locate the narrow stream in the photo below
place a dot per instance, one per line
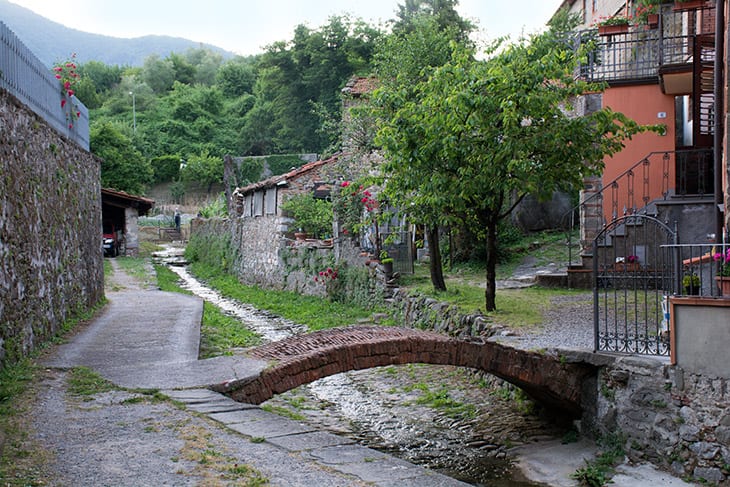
(382, 408)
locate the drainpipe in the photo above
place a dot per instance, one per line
(719, 115)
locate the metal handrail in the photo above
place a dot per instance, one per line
(635, 202)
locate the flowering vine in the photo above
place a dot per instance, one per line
(66, 74)
(325, 276)
(354, 205)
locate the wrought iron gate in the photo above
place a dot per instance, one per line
(633, 279)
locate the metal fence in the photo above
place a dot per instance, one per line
(25, 77)
(701, 269)
(399, 247)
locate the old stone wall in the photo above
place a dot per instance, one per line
(256, 251)
(670, 417)
(50, 230)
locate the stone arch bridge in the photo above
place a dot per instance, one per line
(553, 381)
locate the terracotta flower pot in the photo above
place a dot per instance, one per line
(609, 30)
(723, 282)
(689, 5)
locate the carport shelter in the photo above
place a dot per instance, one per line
(119, 213)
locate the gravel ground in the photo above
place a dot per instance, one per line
(568, 324)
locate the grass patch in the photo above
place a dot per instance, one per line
(20, 458)
(442, 401)
(215, 467)
(598, 472)
(82, 381)
(312, 311)
(168, 280)
(284, 411)
(136, 267)
(515, 307)
(221, 332)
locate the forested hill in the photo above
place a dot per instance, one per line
(51, 41)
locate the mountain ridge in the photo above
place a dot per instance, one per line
(52, 42)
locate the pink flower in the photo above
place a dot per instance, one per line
(58, 76)
(70, 92)
(345, 184)
(63, 103)
(67, 85)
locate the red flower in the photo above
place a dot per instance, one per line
(58, 76)
(63, 103)
(70, 92)
(345, 184)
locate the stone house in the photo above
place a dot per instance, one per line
(119, 212)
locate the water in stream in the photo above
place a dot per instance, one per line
(465, 430)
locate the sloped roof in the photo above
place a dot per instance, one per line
(125, 200)
(360, 85)
(282, 178)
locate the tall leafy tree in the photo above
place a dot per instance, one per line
(403, 63)
(483, 134)
(123, 167)
(203, 168)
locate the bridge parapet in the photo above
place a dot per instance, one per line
(298, 360)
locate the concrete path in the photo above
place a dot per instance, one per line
(148, 339)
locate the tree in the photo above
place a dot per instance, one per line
(442, 11)
(405, 61)
(484, 134)
(123, 168)
(204, 169)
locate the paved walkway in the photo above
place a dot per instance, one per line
(148, 339)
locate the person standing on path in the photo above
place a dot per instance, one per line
(177, 219)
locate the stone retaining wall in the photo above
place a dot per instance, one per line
(51, 263)
(671, 418)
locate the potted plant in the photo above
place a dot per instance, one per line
(723, 273)
(691, 284)
(311, 216)
(629, 263)
(647, 13)
(387, 262)
(617, 24)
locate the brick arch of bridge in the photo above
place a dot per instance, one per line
(305, 358)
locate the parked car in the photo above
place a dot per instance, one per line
(110, 240)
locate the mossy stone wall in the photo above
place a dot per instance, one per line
(51, 264)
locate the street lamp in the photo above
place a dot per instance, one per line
(134, 113)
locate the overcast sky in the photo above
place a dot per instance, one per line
(246, 26)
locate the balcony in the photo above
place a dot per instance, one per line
(668, 54)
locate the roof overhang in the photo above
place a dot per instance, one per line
(676, 79)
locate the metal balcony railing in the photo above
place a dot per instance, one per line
(639, 54)
(699, 269)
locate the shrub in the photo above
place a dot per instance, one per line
(312, 215)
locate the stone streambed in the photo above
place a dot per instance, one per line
(453, 420)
